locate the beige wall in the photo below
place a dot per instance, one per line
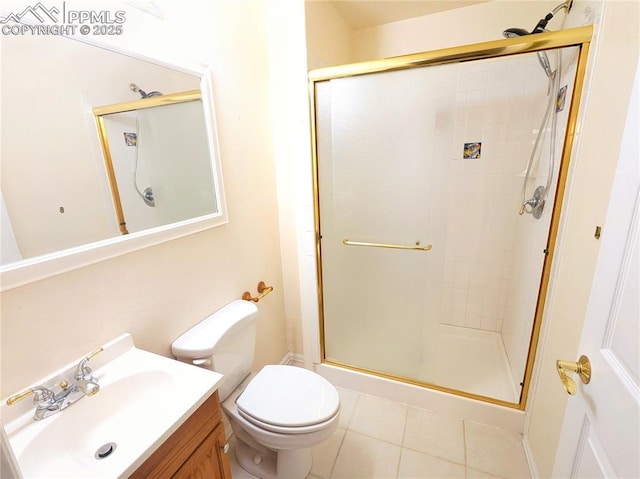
(328, 36)
(291, 138)
(610, 74)
(473, 24)
(159, 292)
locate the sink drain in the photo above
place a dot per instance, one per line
(105, 450)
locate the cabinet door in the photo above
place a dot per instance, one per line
(208, 461)
(222, 451)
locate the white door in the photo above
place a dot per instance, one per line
(601, 430)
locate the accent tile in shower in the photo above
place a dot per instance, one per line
(482, 197)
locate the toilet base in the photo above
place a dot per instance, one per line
(285, 464)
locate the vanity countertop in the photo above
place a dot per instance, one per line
(143, 399)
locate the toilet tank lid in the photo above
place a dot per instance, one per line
(201, 339)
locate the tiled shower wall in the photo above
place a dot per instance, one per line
(498, 103)
(529, 243)
(494, 257)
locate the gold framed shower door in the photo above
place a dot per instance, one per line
(575, 37)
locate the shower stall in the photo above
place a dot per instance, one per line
(433, 260)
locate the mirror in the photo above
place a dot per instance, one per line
(67, 160)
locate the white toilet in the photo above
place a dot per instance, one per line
(276, 414)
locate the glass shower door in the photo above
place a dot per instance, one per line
(441, 155)
(375, 182)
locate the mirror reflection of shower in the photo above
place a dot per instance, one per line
(156, 132)
(534, 204)
(147, 193)
(143, 94)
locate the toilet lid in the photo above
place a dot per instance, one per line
(289, 396)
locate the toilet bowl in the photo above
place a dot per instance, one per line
(277, 414)
(276, 426)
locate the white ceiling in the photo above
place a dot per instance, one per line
(368, 13)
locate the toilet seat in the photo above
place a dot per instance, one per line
(288, 400)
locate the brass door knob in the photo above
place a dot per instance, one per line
(582, 368)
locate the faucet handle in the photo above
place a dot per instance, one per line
(83, 371)
(40, 395)
(95, 352)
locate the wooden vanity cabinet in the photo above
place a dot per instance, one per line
(195, 451)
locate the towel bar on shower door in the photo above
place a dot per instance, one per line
(417, 246)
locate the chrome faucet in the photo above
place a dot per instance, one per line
(49, 403)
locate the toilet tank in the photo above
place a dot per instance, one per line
(223, 342)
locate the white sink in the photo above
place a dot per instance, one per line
(143, 399)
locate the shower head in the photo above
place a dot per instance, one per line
(542, 56)
(514, 32)
(135, 88)
(540, 28)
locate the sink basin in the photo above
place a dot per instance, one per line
(143, 399)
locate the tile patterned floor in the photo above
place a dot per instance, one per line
(382, 439)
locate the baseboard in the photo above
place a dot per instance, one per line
(533, 470)
(292, 359)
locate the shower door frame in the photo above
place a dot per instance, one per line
(575, 37)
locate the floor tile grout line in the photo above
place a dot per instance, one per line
(375, 438)
(434, 456)
(406, 405)
(404, 432)
(399, 462)
(464, 446)
(353, 412)
(344, 436)
(335, 458)
(406, 420)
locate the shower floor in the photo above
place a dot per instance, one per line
(474, 361)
